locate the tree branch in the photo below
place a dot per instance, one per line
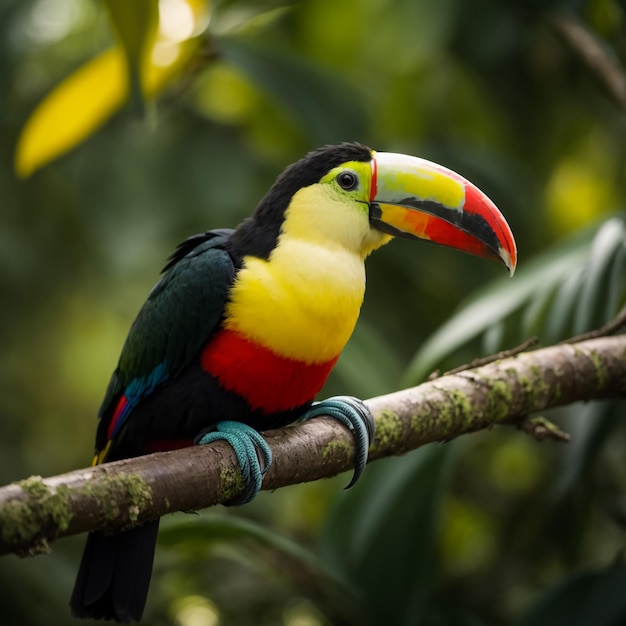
(118, 495)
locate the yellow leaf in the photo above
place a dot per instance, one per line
(72, 111)
(76, 107)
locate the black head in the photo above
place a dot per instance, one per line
(257, 236)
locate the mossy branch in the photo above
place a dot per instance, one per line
(118, 495)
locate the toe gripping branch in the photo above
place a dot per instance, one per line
(354, 415)
(253, 454)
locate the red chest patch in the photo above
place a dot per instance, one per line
(269, 382)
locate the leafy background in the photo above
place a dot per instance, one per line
(104, 171)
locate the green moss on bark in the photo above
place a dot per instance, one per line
(600, 367)
(231, 483)
(45, 512)
(42, 515)
(389, 429)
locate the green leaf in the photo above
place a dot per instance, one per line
(136, 24)
(305, 569)
(607, 244)
(569, 280)
(493, 337)
(495, 302)
(533, 319)
(592, 425)
(389, 525)
(559, 321)
(582, 599)
(616, 285)
(213, 528)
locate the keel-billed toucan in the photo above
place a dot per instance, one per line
(245, 325)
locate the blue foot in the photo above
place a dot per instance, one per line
(253, 454)
(353, 414)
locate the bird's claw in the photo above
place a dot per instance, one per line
(354, 414)
(253, 454)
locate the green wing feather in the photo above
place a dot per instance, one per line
(182, 311)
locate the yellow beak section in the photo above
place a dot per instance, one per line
(415, 198)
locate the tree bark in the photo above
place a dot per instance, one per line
(122, 494)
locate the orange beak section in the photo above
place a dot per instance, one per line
(417, 199)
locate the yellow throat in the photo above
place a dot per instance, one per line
(304, 301)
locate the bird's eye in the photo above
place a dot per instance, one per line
(347, 180)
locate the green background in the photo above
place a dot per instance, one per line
(491, 529)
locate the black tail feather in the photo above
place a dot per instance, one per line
(114, 575)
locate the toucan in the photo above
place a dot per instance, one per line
(245, 325)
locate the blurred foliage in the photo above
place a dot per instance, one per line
(489, 529)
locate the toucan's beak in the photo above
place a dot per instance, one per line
(414, 198)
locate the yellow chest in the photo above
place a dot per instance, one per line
(302, 304)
